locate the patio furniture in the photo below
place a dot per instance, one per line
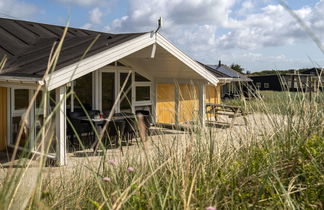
(130, 124)
(116, 130)
(116, 126)
(130, 128)
(80, 127)
(227, 110)
(94, 113)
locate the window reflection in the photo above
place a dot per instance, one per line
(83, 90)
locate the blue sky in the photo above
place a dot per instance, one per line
(257, 34)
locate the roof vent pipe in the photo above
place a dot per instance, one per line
(159, 25)
(219, 63)
(154, 45)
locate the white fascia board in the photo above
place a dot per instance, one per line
(23, 82)
(185, 59)
(19, 79)
(97, 61)
(226, 80)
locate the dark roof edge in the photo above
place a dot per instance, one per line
(92, 31)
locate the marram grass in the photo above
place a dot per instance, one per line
(252, 167)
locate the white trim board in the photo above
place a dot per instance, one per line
(92, 63)
(97, 61)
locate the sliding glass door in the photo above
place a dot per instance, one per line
(126, 95)
(83, 92)
(107, 90)
(136, 93)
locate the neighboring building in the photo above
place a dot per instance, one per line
(267, 82)
(311, 79)
(214, 93)
(235, 81)
(164, 80)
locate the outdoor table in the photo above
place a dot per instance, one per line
(229, 110)
(100, 122)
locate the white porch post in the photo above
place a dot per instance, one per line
(32, 122)
(202, 104)
(96, 90)
(154, 100)
(72, 96)
(177, 104)
(61, 126)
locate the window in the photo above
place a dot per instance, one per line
(83, 90)
(126, 97)
(21, 99)
(142, 90)
(108, 90)
(266, 85)
(258, 85)
(140, 78)
(116, 64)
(143, 93)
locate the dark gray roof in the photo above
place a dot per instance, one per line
(27, 46)
(230, 72)
(217, 73)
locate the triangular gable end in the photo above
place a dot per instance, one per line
(95, 62)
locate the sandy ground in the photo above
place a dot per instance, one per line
(258, 125)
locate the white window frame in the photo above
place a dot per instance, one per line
(258, 85)
(19, 112)
(119, 86)
(97, 86)
(143, 84)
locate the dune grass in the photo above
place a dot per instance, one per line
(279, 167)
(275, 162)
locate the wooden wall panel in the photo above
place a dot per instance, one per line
(189, 103)
(213, 94)
(3, 118)
(165, 104)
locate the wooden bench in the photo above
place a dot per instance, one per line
(227, 110)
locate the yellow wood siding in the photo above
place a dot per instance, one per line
(3, 118)
(189, 103)
(213, 94)
(165, 104)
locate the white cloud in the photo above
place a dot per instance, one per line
(84, 2)
(116, 24)
(209, 30)
(143, 14)
(95, 16)
(273, 26)
(87, 26)
(17, 9)
(246, 7)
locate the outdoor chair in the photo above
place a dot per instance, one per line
(130, 128)
(115, 131)
(79, 126)
(106, 113)
(93, 113)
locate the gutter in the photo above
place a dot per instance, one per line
(225, 80)
(20, 80)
